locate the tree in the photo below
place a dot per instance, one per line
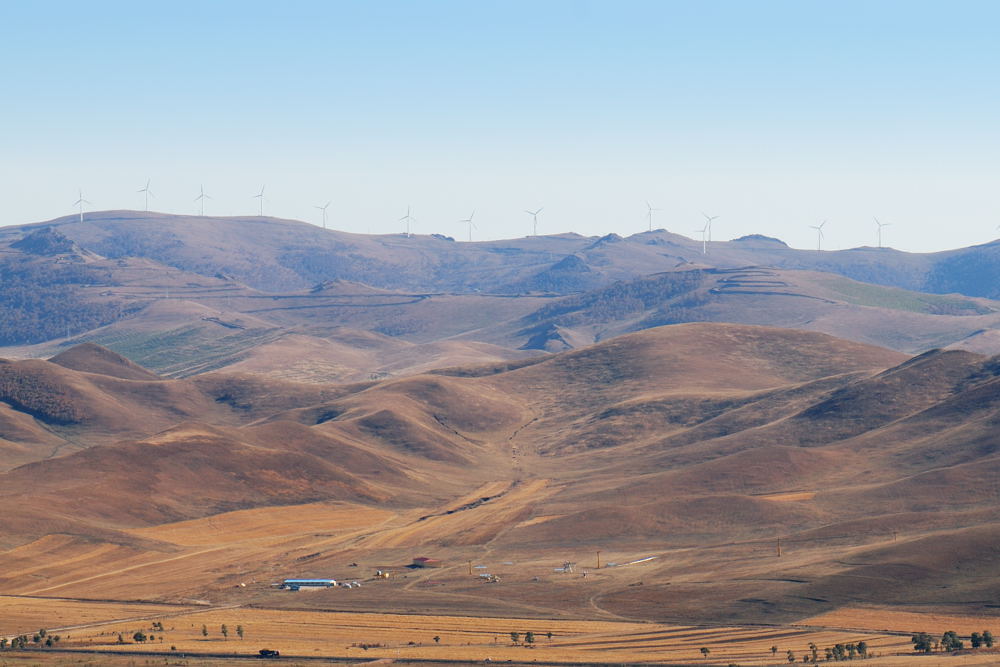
(549, 635)
(774, 650)
(3, 643)
(922, 642)
(515, 636)
(204, 631)
(437, 640)
(950, 641)
(139, 637)
(529, 637)
(121, 640)
(814, 650)
(791, 657)
(976, 640)
(239, 631)
(225, 631)
(988, 638)
(863, 649)
(704, 652)
(852, 650)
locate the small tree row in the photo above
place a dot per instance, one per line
(950, 641)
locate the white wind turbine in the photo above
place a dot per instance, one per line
(649, 214)
(407, 219)
(147, 192)
(323, 208)
(534, 220)
(708, 223)
(201, 200)
(80, 202)
(472, 225)
(879, 233)
(819, 234)
(260, 198)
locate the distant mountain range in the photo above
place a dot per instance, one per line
(184, 295)
(272, 254)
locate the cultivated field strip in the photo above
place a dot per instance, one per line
(374, 636)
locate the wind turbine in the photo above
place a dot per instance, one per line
(201, 199)
(819, 234)
(80, 202)
(472, 225)
(147, 192)
(649, 214)
(708, 223)
(323, 208)
(880, 226)
(260, 198)
(407, 219)
(534, 220)
(704, 247)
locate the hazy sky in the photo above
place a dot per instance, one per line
(772, 115)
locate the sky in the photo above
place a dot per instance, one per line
(773, 115)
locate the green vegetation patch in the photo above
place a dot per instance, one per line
(894, 298)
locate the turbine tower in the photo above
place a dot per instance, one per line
(702, 231)
(323, 208)
(472, 225)
(819, 235)
(534, 220)
(260, 198)
(407, 219)
(80, 202)
(708, 224)
(649, 214)
(201, 200)
(147, 192)
(879, 233)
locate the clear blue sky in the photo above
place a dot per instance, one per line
(772, 115)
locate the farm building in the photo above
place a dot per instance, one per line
(421, 561)
(296, 584)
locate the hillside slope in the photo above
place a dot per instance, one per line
(700, 444)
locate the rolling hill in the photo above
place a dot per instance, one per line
(285, 255)
(181, 320)
(696, 445)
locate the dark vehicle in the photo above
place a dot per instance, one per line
(268, 653)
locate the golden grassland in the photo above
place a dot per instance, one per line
(371, 636)
(887, 620)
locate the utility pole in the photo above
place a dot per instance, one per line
(779, 546)
(470, 568)
(598, 559)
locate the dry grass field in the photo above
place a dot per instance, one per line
(399, 638)
(464, 638)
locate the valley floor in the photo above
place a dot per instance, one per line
(192, 636)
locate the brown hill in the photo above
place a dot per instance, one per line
(91, 358)
(682, 453)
